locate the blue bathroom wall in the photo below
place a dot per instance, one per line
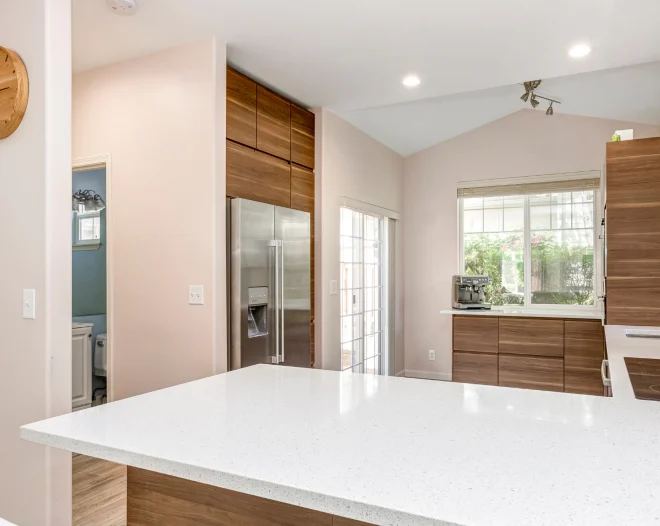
(89, 266)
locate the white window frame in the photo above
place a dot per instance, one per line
(79, 217)
(527, 258)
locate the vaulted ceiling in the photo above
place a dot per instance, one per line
(350, 55)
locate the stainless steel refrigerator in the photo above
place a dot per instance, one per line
(269, 284)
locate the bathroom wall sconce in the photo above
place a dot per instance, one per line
(87, 201)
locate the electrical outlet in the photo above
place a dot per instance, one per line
(334, 287)
(196, 295)
(432, 355)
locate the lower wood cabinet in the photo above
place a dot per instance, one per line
(475, 368)
(531, 372)
(549, 354)
(584, 351)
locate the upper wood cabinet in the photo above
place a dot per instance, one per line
(273, 124)
(302, 136)
(532, 336)
(302, 189)
(241, 109)
(257, 176)
(476, 333)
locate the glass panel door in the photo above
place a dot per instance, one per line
(361, 290)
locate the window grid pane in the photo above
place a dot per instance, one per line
(561, 244)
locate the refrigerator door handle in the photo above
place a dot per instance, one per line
(276, 359)
(282, 300)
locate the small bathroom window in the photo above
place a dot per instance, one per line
(88, 228)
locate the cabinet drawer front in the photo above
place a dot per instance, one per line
(273, 124)
(475, 333)
(241, 109)
(532, 336)
(587, 381)
(584, 350)
(531, 372)
(584, 330)
(474, 368)
(257, 176)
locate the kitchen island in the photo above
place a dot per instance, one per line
(329, 447)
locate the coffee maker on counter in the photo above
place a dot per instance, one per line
(469, 292)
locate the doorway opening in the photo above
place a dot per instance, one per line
(364, 288)
(91, 317)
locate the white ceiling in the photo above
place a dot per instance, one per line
(629, 94)
(350, 55)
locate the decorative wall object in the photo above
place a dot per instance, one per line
(14, 89)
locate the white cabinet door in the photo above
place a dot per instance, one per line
(81, 368)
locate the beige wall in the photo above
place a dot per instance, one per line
(525, 143)
(350, 164)
(35, 197)
(158, 118)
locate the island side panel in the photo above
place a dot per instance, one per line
(98, 492)
(157, 499)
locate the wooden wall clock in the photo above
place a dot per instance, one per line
(13, 91)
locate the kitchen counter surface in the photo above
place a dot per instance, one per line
(619, 347)
(386, 450)
(530, 313)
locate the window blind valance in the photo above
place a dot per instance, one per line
(552, 184)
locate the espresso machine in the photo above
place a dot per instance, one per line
(469, 292)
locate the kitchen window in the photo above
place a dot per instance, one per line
(536, 240)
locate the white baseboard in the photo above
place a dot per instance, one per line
(427, 375)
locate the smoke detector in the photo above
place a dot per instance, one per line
(122, 7)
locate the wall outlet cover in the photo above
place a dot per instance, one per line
(432, 355)
(334, 287)
(196, 295)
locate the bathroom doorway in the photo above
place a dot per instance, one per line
(91, 333)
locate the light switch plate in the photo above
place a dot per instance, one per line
(196, 294)
(334, 288)
(29, 307)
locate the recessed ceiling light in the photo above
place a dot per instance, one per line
(411, 81)
(579, 51)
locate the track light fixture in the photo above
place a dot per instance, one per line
(534, 102)
(531, 96)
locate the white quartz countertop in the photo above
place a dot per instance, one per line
(386, 450)
(529, 313)
(619, 346)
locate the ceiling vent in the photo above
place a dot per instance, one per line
(122, 7)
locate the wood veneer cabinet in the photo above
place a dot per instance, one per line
(273, 124)
(302, 136)
(550, 354)
(532, 336)
(584, 351)
(241, 109)
(531, 372)
(633, 232)
(254, 175)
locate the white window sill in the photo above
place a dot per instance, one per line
(88, 246)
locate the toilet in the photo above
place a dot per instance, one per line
(101, 355)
